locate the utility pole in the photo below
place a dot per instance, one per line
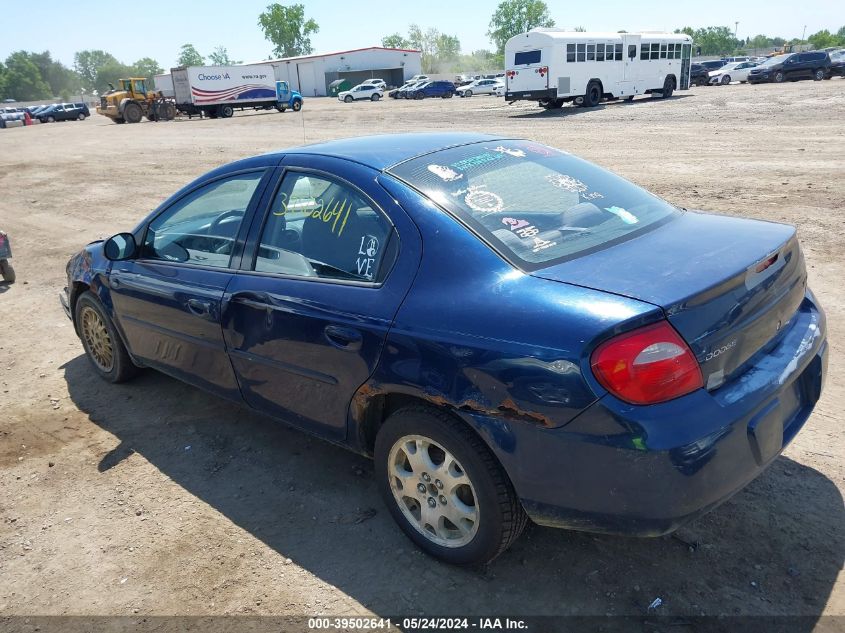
(736, 26)
(804, 32)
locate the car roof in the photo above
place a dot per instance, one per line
(383, 151)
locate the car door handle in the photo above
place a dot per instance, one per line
(251, 298)
(343, 337)
(200, 307)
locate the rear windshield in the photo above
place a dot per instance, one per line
(526, 57)
(535, 205)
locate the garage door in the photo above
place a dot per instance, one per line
(307, 79)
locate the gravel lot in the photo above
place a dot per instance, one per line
(155, 498)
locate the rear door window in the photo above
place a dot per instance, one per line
(322, 227)
(533, 204)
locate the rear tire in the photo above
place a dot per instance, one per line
(7, 272)
(226, 111)
(102, 344)
(669, 87)
(81, 117)
(132, 113)
(779, 77)
(466, 484)
(375, 97)
(593, 95)
(818, 74)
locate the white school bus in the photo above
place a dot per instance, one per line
(552, 66)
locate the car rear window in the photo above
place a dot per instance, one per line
(533, 204)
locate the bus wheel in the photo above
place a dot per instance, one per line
(668, 87)
(593, 95)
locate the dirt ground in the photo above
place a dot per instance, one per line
(153, 497)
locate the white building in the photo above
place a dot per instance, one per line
(312, 74)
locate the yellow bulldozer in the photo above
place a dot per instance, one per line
(133, 101)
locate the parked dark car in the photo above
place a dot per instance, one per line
(712, 64)
(791, 67)
(402, 91)
(699, 75)
(837, 64)
(61, 112)
(442, 89)
(82, 107)
(492, 320)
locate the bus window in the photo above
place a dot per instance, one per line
(644, 50)
(677, 51)
(582, 52)
(570, 52)
(591, 52)
(619, 52)
(655, 50)
(663, 51)
(632, 51)
(599, 52)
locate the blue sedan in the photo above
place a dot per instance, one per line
(510, 332)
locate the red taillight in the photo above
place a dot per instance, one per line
(649, 365)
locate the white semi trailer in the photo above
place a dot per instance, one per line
(220, 90)
(552, 66)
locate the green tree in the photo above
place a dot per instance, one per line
(513, 17)
(88, 63)
(109, 73)
(146, 67)
(713, 40)
(288, 30)
(436, 49)
(841, 35)
(395, 40)
(220, 57)
(823, 39)
(760, 41)
(3, 94)
(62, 80)
(22, 79)
(189, 56)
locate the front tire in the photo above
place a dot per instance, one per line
(445, 488)
(101, 342)
(347, 99)
(818, 74)
(297, 105)
(669, 87)
(779, 77)
(726, 80)
(132, 113)
(81, 117)
(467, 93)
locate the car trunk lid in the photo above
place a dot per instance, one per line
(728, 285)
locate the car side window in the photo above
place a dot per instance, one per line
(201, 227)
(321, 227)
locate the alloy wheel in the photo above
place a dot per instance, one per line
(433, 491)
(97, 339)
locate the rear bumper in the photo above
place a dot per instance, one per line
(531, 95)
(647, 470)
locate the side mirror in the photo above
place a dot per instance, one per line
(120, 247)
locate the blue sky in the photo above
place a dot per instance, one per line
(157, 29)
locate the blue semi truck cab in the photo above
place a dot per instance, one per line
(287, 98)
